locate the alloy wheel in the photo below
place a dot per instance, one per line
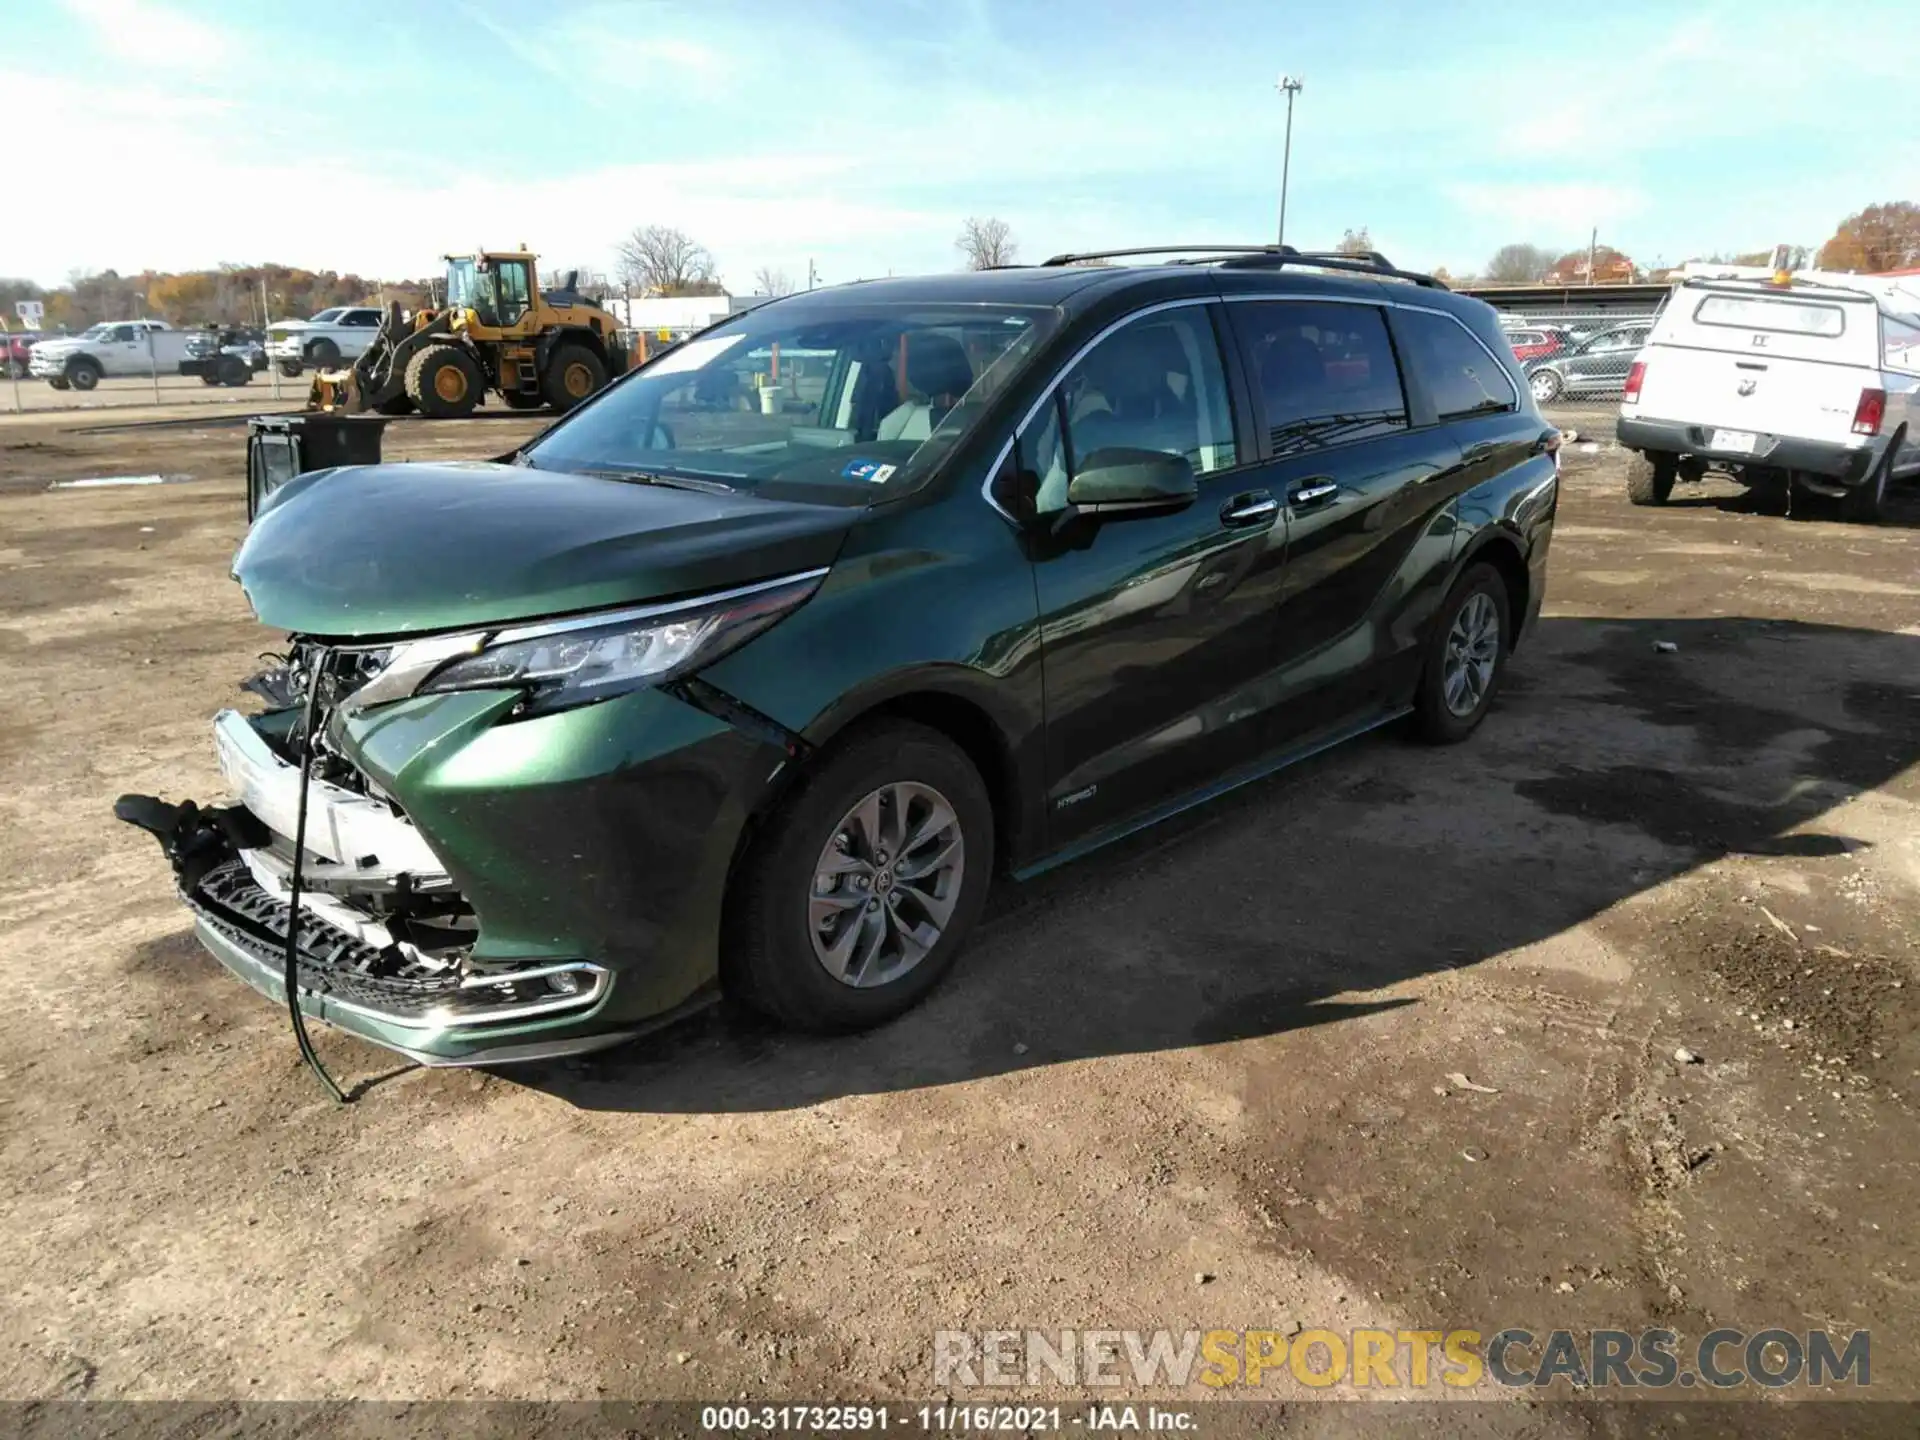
(1544, 384)
(886, 883)
(1473, 650)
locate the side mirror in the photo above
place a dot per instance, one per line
(1120, 481)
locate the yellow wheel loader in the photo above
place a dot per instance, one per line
(497, 332)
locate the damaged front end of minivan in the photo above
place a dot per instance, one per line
(386, 942)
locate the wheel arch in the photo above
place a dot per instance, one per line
(943, 702)
(1501, 547)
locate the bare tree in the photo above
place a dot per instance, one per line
(661, 260)
(769, 281)
(1355, 242)
(1519, 264)
(986, 243)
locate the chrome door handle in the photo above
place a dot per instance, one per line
(1253, 508)
(1314, 490)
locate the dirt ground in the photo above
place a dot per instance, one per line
(1199, 1080)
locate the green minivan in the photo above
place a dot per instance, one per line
(752, 674)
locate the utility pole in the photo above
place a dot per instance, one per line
(1593, 249)
(1290, 86)
(812, 274)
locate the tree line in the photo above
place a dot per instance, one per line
(663, 260)
(1870, 241)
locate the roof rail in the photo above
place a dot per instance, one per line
(1364, 262)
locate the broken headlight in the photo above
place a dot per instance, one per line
(562, 663)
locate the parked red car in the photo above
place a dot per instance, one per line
(1541, 343)
(14, 346)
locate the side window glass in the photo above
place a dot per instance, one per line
(1326, 373)
(1902, 344)
(1155, 384)
(124, 333)
(1462, 377)
(1042, 453)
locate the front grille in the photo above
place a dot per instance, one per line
(337, 965)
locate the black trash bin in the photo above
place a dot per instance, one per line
(280, 447)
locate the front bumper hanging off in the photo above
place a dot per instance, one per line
(231, 866)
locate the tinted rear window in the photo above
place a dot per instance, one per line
(1326, 372)
(1760, 312)
(1461, 373)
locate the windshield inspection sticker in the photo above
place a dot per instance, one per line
(871, 471)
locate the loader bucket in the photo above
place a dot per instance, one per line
(335, 390)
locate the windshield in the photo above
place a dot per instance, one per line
(838, 396)
(327, 317)
(97, 332)
(459, 284)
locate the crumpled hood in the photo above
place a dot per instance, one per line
(378, 550)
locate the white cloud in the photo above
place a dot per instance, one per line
(156, 37)
(1562, 209)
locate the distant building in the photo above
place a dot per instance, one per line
(1610, 269)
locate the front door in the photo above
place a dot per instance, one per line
(1155, 628)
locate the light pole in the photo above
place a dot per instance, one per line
(1290, 86)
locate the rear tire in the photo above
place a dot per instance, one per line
(773, 956)
(517, 400)
(1863, 506)
(207, 378)
(291, 369)
(58, 382)
(398, 405)
(1546, 386)
(443, 382)
(1466, 657)
(574, 373)
(1650, 478)
(234, 371)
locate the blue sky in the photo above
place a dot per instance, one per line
(368, 136)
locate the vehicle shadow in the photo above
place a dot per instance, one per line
(1606, 768)
(1900, 510)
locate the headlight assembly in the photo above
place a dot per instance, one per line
(562, 663)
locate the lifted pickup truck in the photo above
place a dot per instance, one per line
(130, 347)
(341, 333)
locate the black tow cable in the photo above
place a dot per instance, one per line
(307, 1052)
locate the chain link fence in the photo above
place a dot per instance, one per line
(1576, 360)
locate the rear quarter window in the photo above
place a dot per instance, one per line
(1460, 373)
(1902, 344)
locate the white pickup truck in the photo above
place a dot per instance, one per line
(328, 338)
(128, 347)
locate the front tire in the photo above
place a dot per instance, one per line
(443, 382)
(58, 382)
(1546, 386)
(1466, 657)
(860, 891)
(323, 354)
(1650, 478)
(234, 371)
(83, 374)
(291, 369)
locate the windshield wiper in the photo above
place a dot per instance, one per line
(668, 482)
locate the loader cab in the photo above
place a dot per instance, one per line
(499, 292)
